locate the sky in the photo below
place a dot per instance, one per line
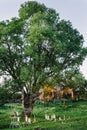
(72, 10)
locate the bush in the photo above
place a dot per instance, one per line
(4, 96)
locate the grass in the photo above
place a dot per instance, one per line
(75, 114)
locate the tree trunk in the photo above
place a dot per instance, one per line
(27, 103)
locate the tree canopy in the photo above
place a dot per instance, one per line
(39, 48)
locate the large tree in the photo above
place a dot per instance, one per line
(38, 48)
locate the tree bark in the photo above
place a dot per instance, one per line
(28, 100)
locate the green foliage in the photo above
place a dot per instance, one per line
(4, 96)
(73, 79)
(38, 48)
(29, 8)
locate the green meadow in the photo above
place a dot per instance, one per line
(72, 116)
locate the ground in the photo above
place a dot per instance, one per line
(72, 116)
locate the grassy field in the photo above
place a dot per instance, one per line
(72, 116)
